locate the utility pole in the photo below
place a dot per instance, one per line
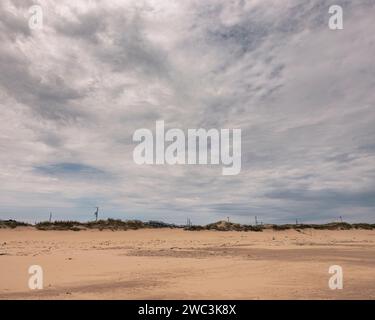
(296, 221)
(50, 217)
(96, 213)
(256, 220)
(228, 219)
(341, 219)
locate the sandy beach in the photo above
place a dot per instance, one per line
(178, 264)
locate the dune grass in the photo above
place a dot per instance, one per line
(118, 225)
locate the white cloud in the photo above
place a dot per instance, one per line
(75, 91)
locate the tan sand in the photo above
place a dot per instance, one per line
(177, 264)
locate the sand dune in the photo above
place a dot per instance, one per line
(178, 264)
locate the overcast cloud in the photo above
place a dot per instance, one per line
(72, 94)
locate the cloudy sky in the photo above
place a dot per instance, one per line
(73, 93)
